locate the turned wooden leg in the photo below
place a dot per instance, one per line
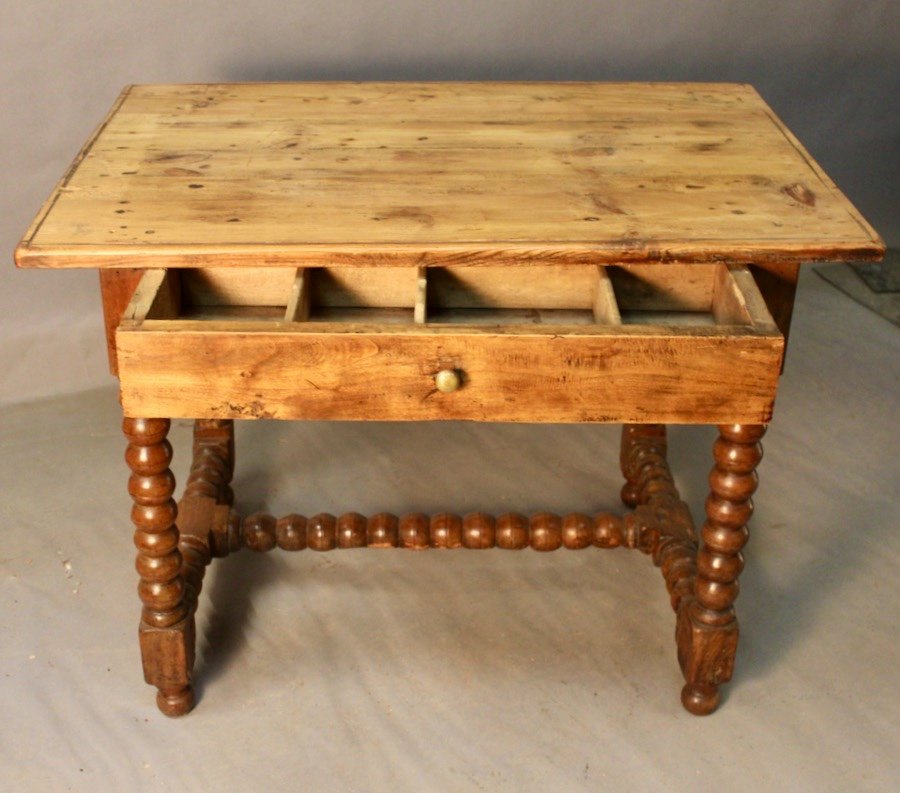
(213, 461)
(647, 438)
(167, 628)
(206, 501)
(707, 626)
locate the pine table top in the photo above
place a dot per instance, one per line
(442, 173)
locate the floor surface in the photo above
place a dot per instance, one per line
(447, 671)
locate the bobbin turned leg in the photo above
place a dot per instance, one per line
(650, 437)
(206, 501)
(213, 462)
(167, 627)
(707, 626)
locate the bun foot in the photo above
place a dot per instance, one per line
(176, 703)
(700, 700)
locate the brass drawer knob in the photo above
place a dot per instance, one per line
(447, 381)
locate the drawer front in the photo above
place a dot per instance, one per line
(462, 365)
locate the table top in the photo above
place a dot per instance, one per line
(442, 173)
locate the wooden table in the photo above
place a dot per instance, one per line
(538, 252)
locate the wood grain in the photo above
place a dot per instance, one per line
(694, 375)
(257, 368)
(439, 173)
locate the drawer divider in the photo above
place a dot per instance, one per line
(737, 300)
(606, 308)
(298, 304)
(420, 310)
(157, 296)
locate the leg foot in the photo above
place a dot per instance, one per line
(175, 703)
(699, 699)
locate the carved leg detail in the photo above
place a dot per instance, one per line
(166, 629)
(663, 520)
(213, 461)
(638, 440)
(207, 499)
(707, 626)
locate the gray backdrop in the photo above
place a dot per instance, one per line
(830, 68)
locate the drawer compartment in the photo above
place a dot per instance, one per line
(549, 343)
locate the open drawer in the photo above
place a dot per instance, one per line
(544, 343)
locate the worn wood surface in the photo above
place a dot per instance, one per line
(437, 173)
(539, 373)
